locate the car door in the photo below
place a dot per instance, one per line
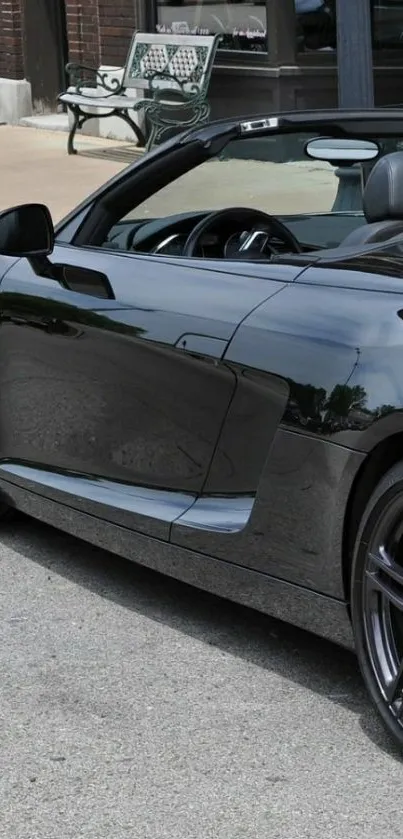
(294, 355)
(116, 405)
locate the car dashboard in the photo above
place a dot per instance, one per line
(168, 236)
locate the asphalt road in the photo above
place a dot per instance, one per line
(134, 706)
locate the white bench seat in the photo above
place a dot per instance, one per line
(98, 101)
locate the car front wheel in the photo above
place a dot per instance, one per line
(377, 599)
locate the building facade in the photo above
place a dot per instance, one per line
(274, 54)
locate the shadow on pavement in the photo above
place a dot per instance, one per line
(296, 655)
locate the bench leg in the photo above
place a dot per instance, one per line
(75, 110)
(141, 140)
(80, 118)
(153, 136)
(157, 131)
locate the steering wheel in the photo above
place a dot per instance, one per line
(255, 227)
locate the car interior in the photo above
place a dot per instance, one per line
(346, 191)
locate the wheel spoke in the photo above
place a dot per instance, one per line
(387, 565)
(395, 689)
(377, 596)
(382, 586)
(386, 576)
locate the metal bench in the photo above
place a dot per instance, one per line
(172, 72)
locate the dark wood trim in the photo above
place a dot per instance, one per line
(387, 58)
(234, 58)
(282, 31)
(317, 59)
(295, 71)
(149, 13)
(45, 46)
(381, 59)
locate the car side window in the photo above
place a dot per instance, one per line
(271, 174)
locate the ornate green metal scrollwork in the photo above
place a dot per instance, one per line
(172, 71)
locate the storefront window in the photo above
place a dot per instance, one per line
(242, 23)
(387, 23)
(316, 25)
(317, 29)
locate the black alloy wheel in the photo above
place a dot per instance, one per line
(377, 600)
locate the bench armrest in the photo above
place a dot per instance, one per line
(82, 76)
(187, 90)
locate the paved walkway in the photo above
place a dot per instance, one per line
(35, 166)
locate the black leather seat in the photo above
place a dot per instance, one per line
(382, 203)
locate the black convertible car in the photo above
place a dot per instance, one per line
(201, 370)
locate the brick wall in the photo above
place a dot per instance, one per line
(117, 23)
(100, 31)
(11, 41)
(83, 31)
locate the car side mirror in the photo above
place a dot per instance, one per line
(26, 231)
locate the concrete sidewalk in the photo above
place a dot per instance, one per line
(35, 166)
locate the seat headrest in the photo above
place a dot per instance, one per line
(383, 193)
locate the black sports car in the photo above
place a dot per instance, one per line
(206, 376)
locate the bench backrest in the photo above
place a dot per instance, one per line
(187, 58)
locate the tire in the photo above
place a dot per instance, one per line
(377, 599)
